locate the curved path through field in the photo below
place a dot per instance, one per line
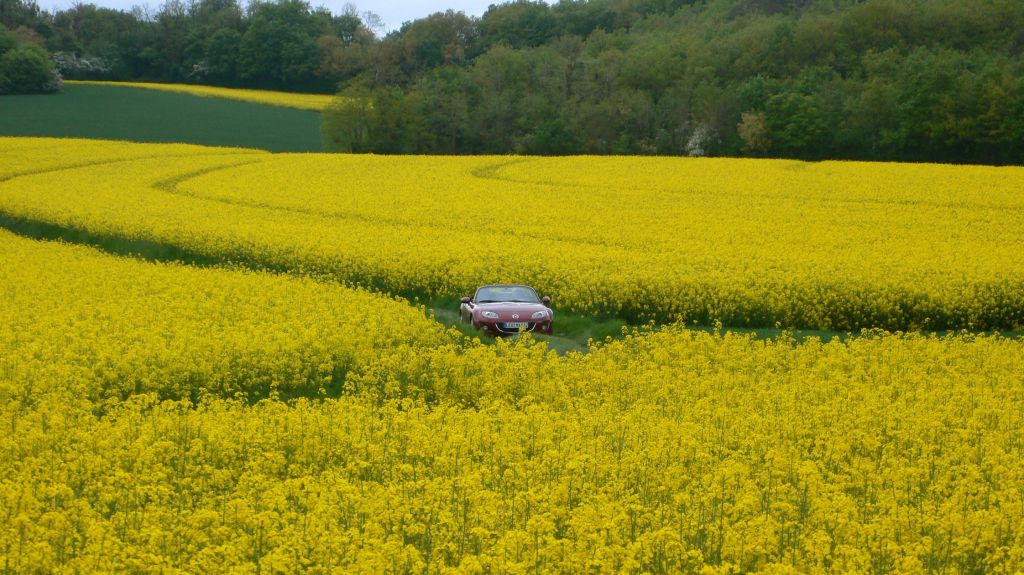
(758, 244)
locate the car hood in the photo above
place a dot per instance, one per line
(506, 310)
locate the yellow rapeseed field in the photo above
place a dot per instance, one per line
(133, 442)
(167, 418)
(832, 245)
(315, 102)
(105, 328)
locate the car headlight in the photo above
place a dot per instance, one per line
(539, 314)
(489, 314)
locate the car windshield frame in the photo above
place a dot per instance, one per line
(513, 294)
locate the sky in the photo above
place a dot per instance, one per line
(392, 13)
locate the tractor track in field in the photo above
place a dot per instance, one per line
(445, 311)
(164, 252)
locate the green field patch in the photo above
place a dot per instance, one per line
(135, 114)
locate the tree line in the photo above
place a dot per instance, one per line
(935, 80)
(275, 44)
(921, 80)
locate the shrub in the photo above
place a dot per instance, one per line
(27, 69)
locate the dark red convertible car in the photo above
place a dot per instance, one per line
(506, 309)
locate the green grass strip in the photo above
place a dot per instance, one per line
(140, 115)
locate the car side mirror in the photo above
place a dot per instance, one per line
(466, 300)
(545, 300)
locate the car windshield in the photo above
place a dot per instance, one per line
(519, 294)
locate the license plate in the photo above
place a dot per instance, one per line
(515, 324)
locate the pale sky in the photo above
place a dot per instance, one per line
(393, 13)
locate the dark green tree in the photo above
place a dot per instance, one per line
(448, 98)
(15, 13)
(279, 47)
(7, 42)
(797, 125)
(519, 24)
(346, 123)
(221, 51)
(27, 69)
